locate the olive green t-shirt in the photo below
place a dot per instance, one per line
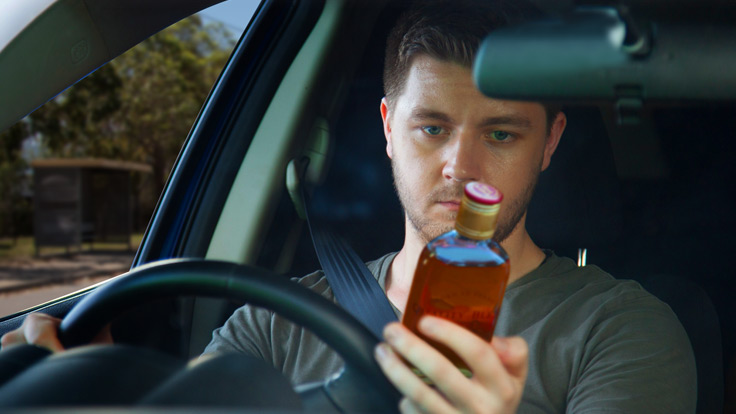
(597, 344)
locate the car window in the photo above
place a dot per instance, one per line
(80, 176)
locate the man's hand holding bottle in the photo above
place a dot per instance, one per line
(499, 369)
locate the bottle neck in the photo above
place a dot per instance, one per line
(475, 220)
(460, 236)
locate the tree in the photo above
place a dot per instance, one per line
(82, 121)
(14, 208)
(139, 107)
(165, 81)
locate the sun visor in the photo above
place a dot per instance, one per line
(49, 45)
(592, 54)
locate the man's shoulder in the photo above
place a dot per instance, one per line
(564, 271)
(318, 283)
(564, 281)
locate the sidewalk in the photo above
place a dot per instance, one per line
(22, 274)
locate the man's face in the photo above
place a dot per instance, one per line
(441, 133)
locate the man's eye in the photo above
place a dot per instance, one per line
(432, 130)
(500, 135)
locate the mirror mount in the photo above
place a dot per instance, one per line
(638, 38)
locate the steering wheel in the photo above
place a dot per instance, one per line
(360, 386)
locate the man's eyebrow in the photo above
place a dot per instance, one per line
(422, 114)
(512, 120)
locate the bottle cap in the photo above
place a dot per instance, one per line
(482, 193)
(478, 213)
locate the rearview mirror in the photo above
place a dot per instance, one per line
(584, 56)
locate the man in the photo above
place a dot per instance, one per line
(595, 343)
(590, 343)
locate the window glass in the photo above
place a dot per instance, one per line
(80, 176)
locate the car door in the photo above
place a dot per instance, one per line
(34, 54)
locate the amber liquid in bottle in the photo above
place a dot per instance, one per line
(461, 279)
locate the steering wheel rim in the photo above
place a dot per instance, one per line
(197, 277)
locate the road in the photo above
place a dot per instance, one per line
(28, 282)
(12, 302)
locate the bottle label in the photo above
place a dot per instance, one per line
(479, 318)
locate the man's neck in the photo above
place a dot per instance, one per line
(524, 256)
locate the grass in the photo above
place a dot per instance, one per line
(23, 247)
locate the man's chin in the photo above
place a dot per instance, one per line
(431, 232)
(432, 224)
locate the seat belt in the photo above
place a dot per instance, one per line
(354, 286)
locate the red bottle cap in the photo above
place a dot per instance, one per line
(482, 193)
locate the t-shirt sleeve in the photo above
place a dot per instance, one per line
(638, 359)
(261, 333)
(246, 331)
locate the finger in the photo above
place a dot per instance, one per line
(42, 330)
(406, 406)
(443, 374)
(422, 355)
(408, 383)
(482, 359)
(514, 355)
(14, 337)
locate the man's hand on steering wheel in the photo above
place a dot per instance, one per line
(43, 330)
(499, 369)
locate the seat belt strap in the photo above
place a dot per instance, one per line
(354, 286)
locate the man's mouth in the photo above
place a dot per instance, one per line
(450, 204)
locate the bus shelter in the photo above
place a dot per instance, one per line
(83, 201)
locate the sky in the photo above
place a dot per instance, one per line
(234, 14)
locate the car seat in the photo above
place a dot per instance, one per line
(577, 212)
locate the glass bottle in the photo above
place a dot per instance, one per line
(462, 274)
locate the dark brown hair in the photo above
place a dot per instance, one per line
(446, 30)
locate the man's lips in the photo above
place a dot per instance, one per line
(450, 204)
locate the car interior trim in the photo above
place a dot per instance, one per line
(253, 187)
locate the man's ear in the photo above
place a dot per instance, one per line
(385, 115)
(553, 139)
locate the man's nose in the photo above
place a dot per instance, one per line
(463, 160)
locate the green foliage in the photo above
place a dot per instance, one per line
(15, 210)
(81, 121)
(139, 107)
(165, 81)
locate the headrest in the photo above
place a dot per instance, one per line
(577, 201)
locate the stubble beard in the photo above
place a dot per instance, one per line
(428, 229)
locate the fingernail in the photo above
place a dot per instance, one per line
(381, 351)
(390, 332)
(427, 325)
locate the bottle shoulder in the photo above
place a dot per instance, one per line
(454, 249)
